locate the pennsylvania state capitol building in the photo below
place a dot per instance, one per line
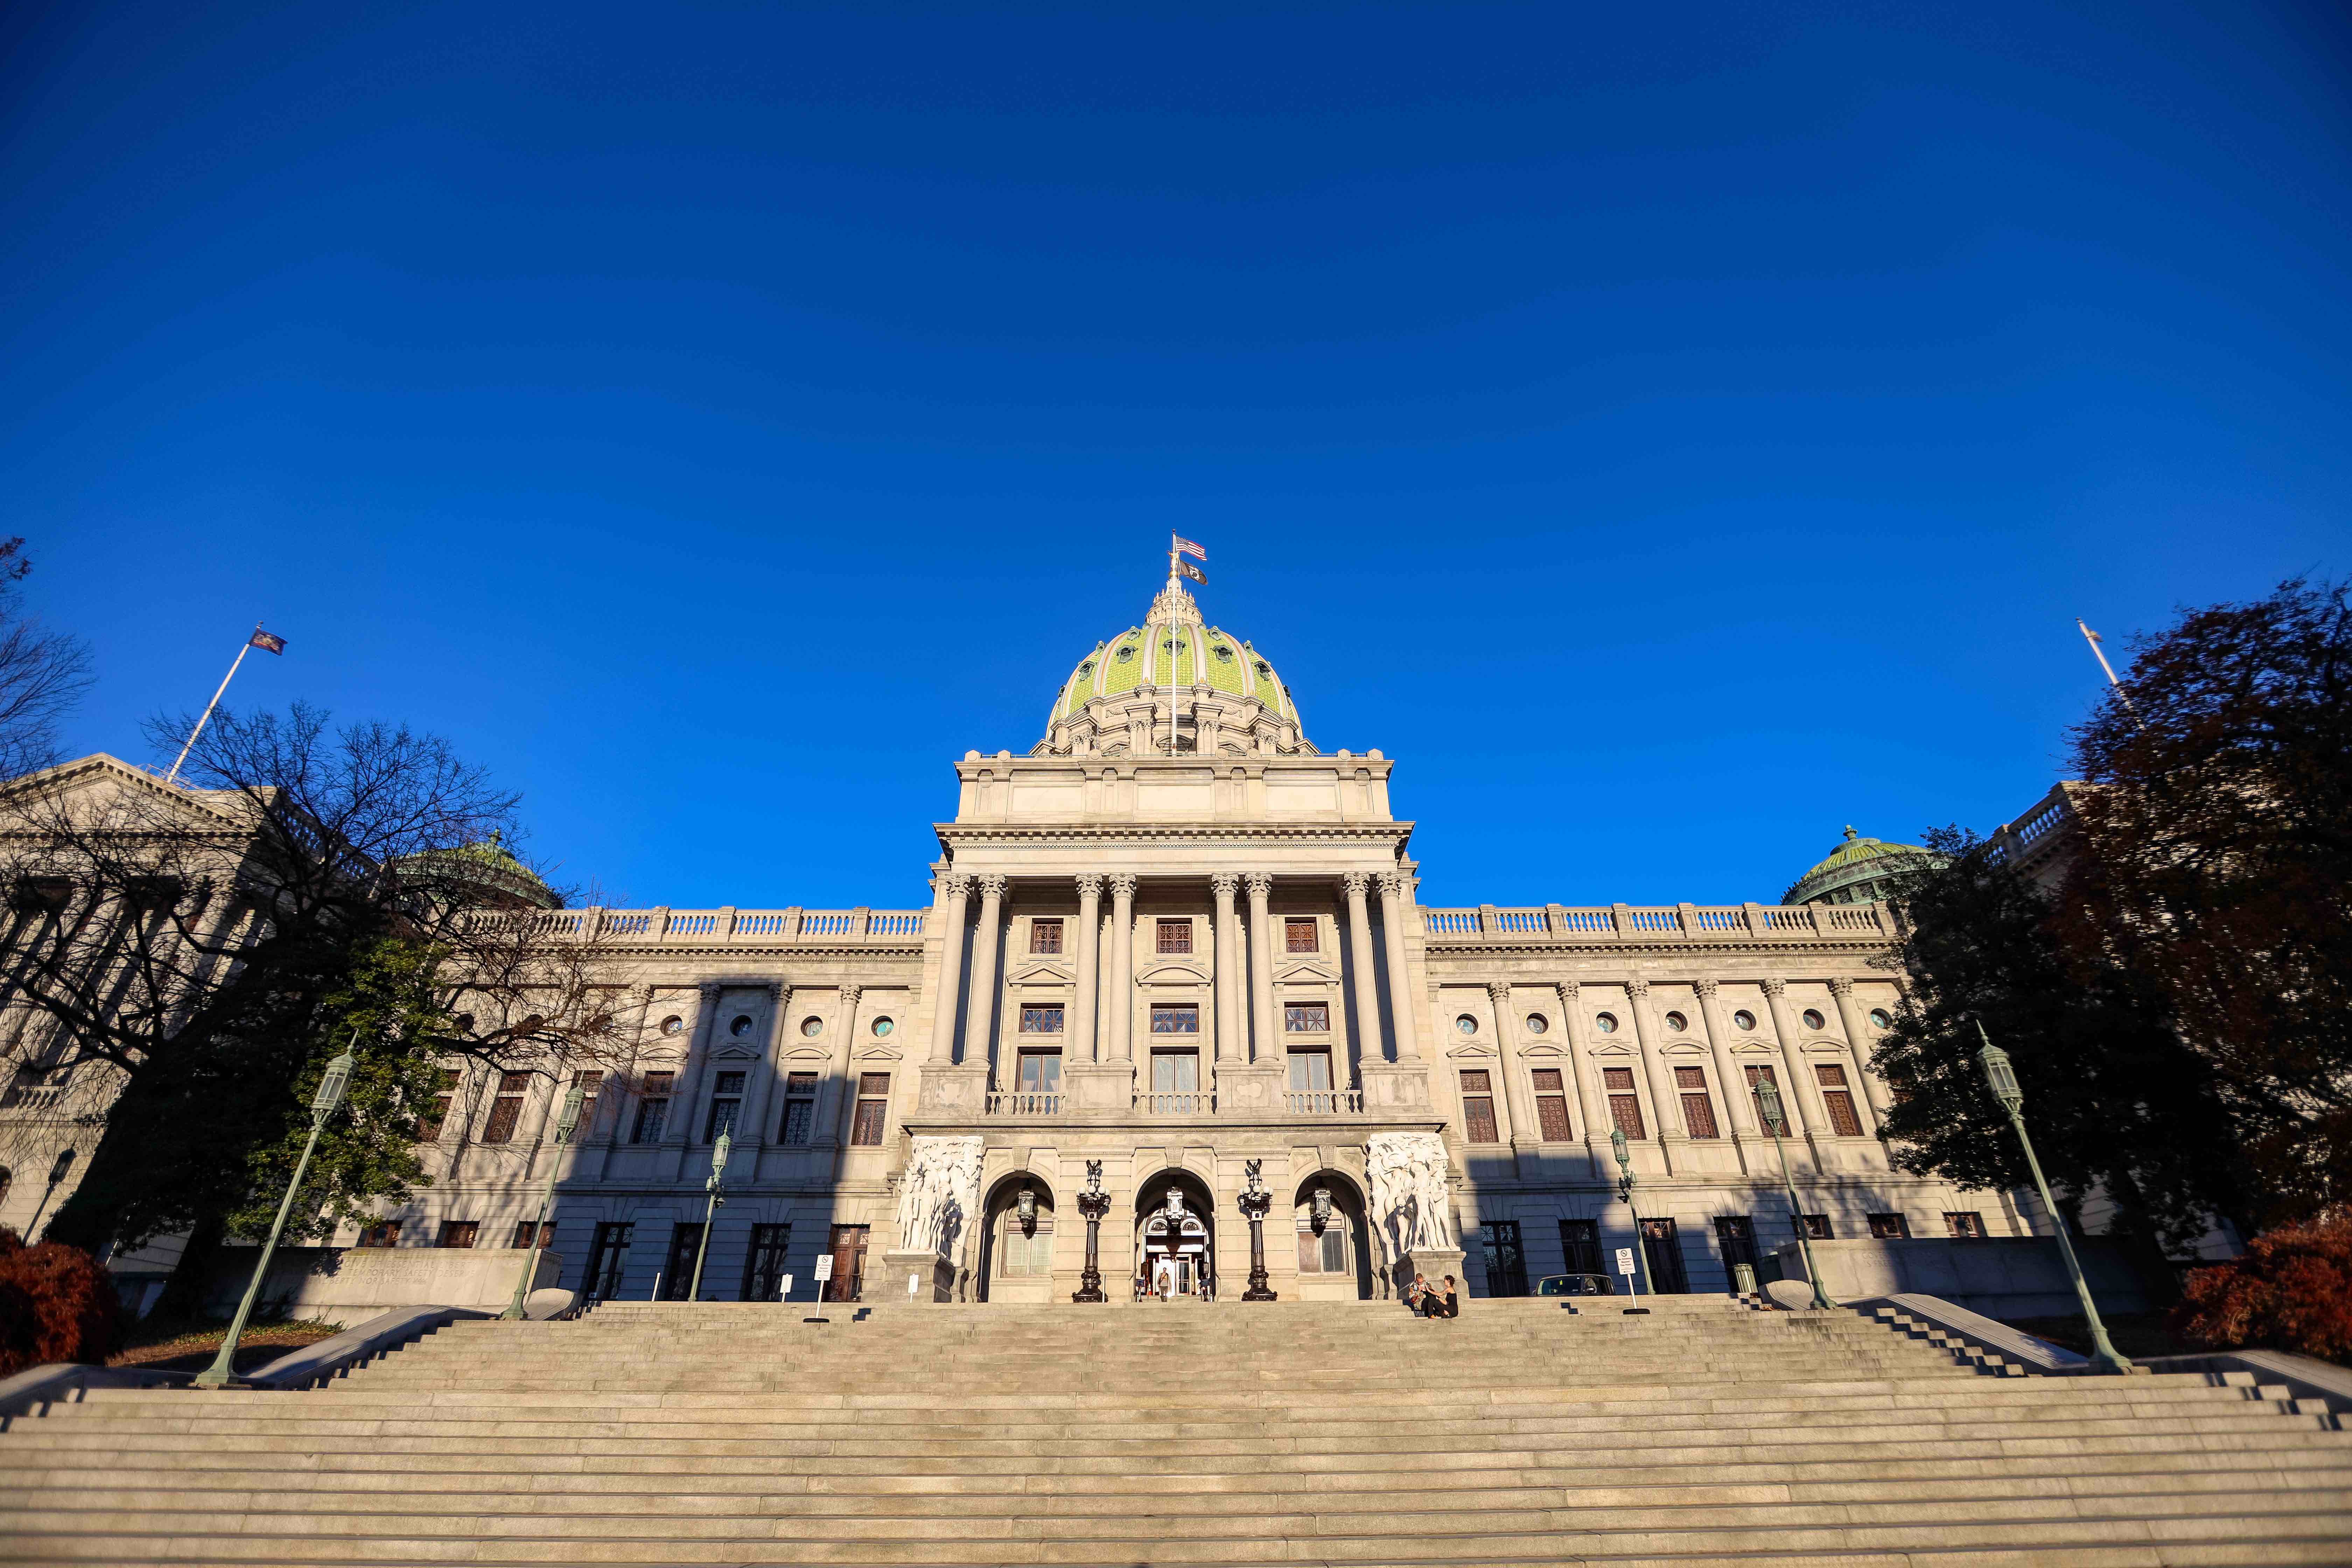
(1173, 968)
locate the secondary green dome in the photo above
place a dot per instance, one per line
(1222, 691)
(489, 873)
(1858, 870)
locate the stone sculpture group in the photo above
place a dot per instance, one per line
(939, 1193)
(1410, 1207)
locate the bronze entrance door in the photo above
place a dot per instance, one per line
(848, 1262)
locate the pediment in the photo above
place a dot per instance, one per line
(807, 1054)
(1549, 1052)
(1174, 971)
(1613, 1051)
(877, 1054)
(1462, 1053)
(1307, 968)
(1046, 970)
(735, 1051)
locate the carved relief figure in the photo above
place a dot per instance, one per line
(939, 1192)
(1411, 1206)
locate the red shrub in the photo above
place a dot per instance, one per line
(2291, 1291)
(56, 1304)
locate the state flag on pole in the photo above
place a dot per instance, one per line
(1194, 572)
(268, 641)
(2090, 634)
(1185, 546)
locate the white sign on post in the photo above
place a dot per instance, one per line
(785, 1294)
(913, 1282)
(824, 1267)
(1625, 1260)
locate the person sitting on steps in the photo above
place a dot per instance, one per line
(1447, 1304)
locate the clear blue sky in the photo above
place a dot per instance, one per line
(1672, 432)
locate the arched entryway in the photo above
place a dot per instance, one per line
(1335, 1253)
(1016, 1244)
(1176, 1234)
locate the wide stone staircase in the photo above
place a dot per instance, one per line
(1702, 1433)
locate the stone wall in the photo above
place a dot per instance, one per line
(349, 1285)
(2001, 1277)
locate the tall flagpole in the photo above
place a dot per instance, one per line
(2100, 653)
(1171, 642)
(206, 719)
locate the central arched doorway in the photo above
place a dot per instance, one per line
(1176, 1234)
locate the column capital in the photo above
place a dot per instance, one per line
(1775, 987)
(1224, 884)
(1260, 884)
(1090, 886)
(954, 884)
(1355, 884)
(1124, 883)
(1841, 986)
(1569, 991)
(991, 885)
(709, 989)
(1500, 990)
(850, 995)
(644, 994)
(1705, 987)
(1394, 884)
(1638, 989)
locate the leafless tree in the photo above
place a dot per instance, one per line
(42, 674)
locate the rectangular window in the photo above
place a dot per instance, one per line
(1478, 1109)
(653, 1108)
(1507, 1264)
(1040, 1072)
(678, 1273)
(1624, 1104)
(764, 1266)
(1041, 1020)
(1175, 1073)
(800, 1108)
(873, 1108)
(1176, 1020)
(1817, 1227)
(1580, 1247)
(848, 1282)
(1551, 1105)
(1698, 1111)
(1174, 936)
(383, 1233)
(507, 1109)
(459, 1232)
(1298, 935)
(1662, 1249)
(523, 1234)
(1307, 1018)
(1045, 936)
(589, 1080)
(726, 1105)
(1966, 1226)
(1839, 1100)
(1736, 1234)
(428, 1125)
(1327, 1253)
(1889, 1227)
(608, 1256)
(1310, 1072)
(1026, 1255)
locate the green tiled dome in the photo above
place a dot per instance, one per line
(1174, 650)
(1857, 870)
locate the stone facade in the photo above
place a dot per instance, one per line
(1173, 941)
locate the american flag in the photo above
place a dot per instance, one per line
(270, 641)
(1187, 547)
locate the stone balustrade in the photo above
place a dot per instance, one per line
(749, 928)
(1628, 925)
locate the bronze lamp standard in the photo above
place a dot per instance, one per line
(1768, 1096)
(2003, 1080)
(716, 1187)
(1625, 1190)
(1093, 1204)
(1254, 1205)
(322, 1105)
(565, 1120)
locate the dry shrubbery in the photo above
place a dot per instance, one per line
(2291, 1291)
(56, 1304)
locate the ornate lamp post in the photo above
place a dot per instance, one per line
(322, 1105)
(715, 1186)
(1094, 1204)
(1768, 1096)
(1625, 1190)
(2003, 1080)
(57, 1176)
(1254, 1205)
(565, 1120)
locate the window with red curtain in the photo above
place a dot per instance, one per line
(1478, 1107)
(1698, 1113)
(1551, 1105)
(1624, 1102)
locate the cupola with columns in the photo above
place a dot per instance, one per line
(1173, 685)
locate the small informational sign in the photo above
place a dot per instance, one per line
(824, 1268)
(785, 1294)
(914, 1283)
(1625, 1260)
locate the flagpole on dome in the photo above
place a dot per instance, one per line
(2100, 653)
(260, 639)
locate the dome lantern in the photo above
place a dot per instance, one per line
(1173, 678)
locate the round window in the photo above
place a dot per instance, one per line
(1677, 1022)
(1879, 1020)
(883, 1026)
(741, 1026)
(1125, 654)
(1743, 1019)
(1225, 654)
(1467, 1023)
(1537, 1023)
(1087, 667)
(672, 1025)
(812, 1027)
(1605, 1022)
(1813, 1020)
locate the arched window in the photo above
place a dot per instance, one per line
(1327, 1253)
(1024, 1253)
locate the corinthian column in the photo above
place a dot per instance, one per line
(943, 1012)
(1118, 997)
(1229, 1046)
(1359, 958)
(1083, 1036)
(1592, 1115)
(1261, 937)
(1857, 1043)
(1669, 1104)
(1518, 1098)
(980, 1006)
(1738, 1103)
(1402, 1014)
(1800, 1090)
